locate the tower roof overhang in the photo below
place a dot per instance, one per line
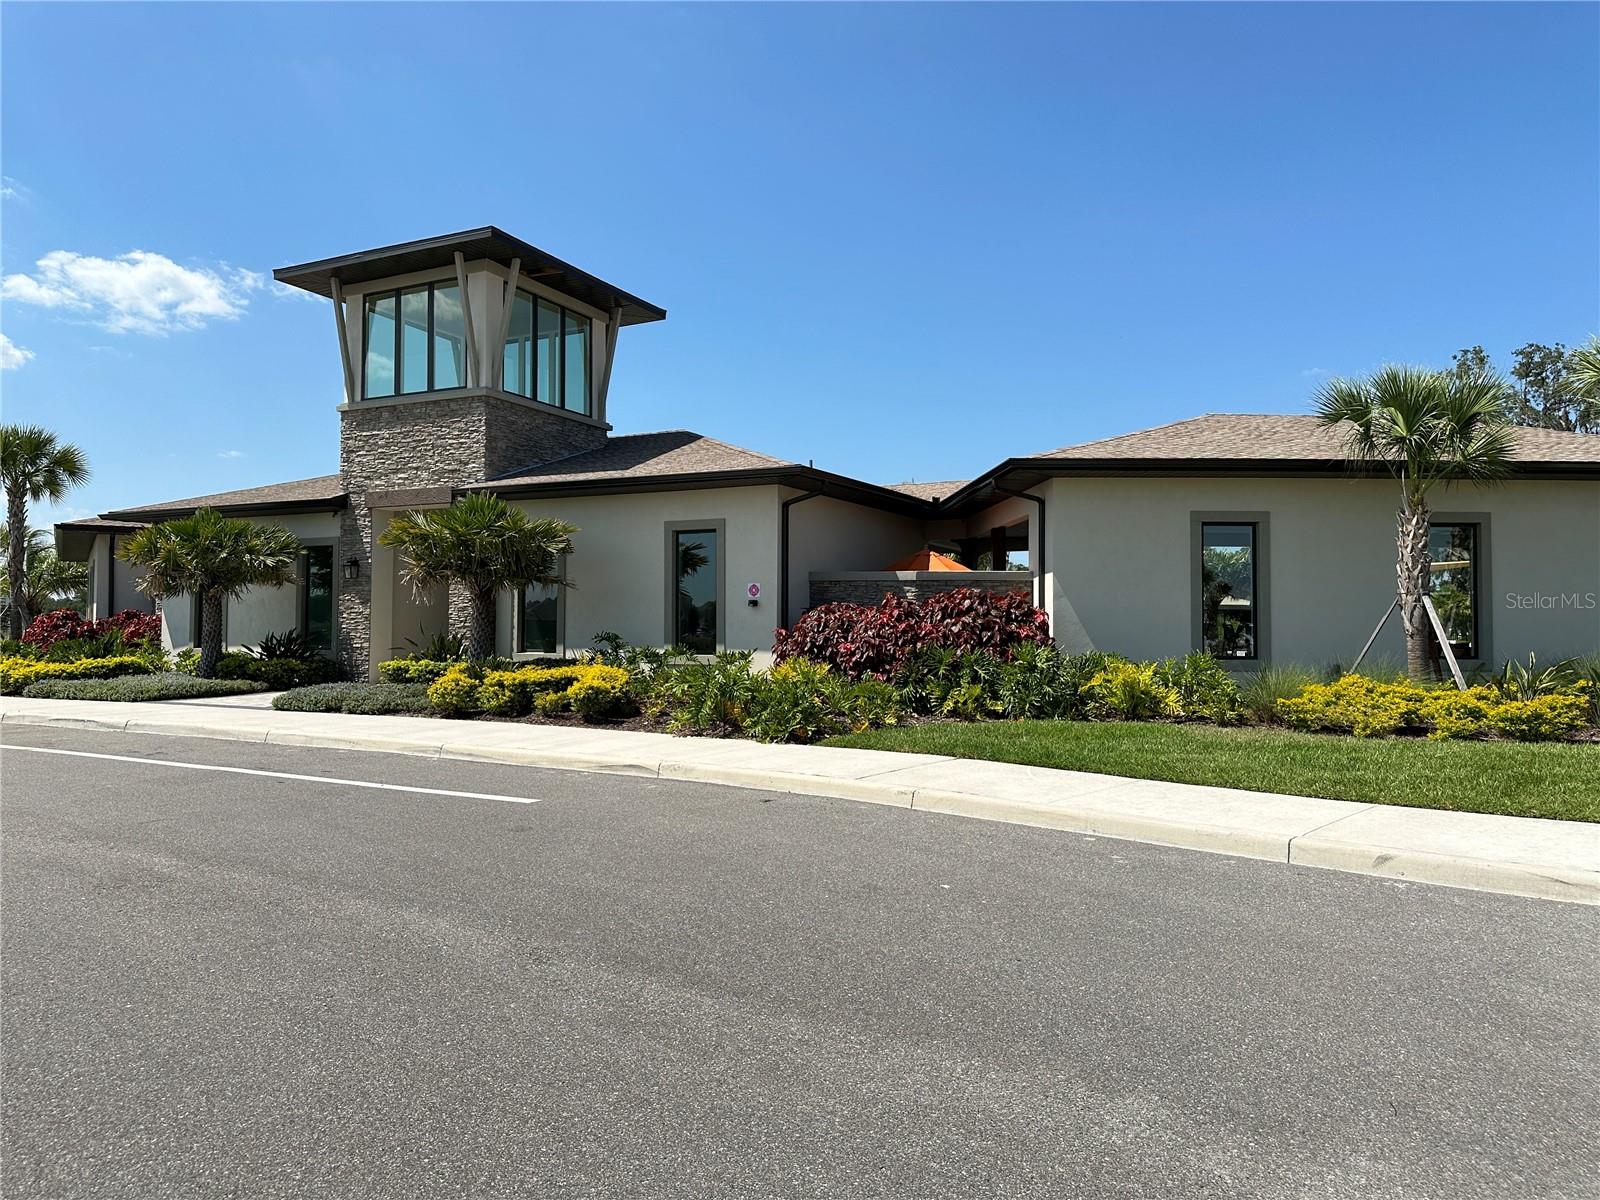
(428, 254)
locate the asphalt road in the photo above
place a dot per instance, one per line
(234, 985)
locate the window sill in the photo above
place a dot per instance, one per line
(466, 393)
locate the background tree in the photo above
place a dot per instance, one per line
(483, 544)
(1429, 428)
(50, 581)
(34, 465)
(213, 557)
(1552, 389)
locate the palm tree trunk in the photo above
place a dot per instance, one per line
(210, 634)
(16, 563)
(480, 639)
(1411, 570)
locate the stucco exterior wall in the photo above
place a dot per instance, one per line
(113, 584)
(834, 535)
(1121, 579)
(620, 564)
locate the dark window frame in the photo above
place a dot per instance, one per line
(1261, 575)
(674, 529)
(558, 391)
(1479, 524)
(396, 293)
(303, 617)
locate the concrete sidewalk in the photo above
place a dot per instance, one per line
(1551, 860)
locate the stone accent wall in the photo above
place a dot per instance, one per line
(869, 587)
(431, 443)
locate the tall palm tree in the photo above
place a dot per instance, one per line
(483, 544)
(34, 465)
(1429, 428)
(48, 581)
(213, 557)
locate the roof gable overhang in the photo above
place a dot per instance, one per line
(488, 242)
(1021, 474)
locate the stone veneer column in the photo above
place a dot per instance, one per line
(432, 442)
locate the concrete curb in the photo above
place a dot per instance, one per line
(1539, 859)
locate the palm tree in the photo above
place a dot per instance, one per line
(1428, 428)
(483, 544)
(1583, 385)
(47, 581)
(213, 557)
(34, 465)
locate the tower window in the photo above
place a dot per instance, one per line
(415, 340)
(546, 354)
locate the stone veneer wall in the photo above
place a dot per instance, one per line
(869, 587)
(428, 442)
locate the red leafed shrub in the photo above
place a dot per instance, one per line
(49, 628)
(136, 626)
(861, 640)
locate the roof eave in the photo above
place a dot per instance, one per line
(788, 475)
(315, 276)
(151, 515)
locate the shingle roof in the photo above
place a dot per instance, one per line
(102, 524)
(643, 456)
(324, 489)
(930, 491)
(1285, 436)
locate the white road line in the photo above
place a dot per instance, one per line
(360, 783)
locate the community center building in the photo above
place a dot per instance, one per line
(477, 362)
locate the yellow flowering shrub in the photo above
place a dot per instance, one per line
(18, 673)
(590, 688)
(1542, 719)
(1369, 708)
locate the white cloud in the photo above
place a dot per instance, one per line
(10, 189)
(1315, 372)
(138, 292)
(230, 453)
(12, 355)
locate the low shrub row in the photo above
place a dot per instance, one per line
(371, 699)
(592, 690)
(797, 701)
(165, 685)
(1367, 707)
(17, 674)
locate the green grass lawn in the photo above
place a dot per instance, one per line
(1524, 780)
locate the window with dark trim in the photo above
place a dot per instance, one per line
(539, 618)
(1453, 570)
(414, 340)
(316, 597)
(1229, 612)
(546, 354)
(696, 611)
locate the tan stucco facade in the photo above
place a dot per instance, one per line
(1121, 571)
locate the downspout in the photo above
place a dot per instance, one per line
(1038, 568)
(783, 555)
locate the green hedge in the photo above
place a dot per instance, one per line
(372, 699)
(169, 685)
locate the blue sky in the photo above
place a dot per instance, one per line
(905, 241)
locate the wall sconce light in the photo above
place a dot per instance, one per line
(352, 569)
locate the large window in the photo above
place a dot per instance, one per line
(316, 597)
(1453, 555)
(415, 341)
(539, 622)
(546, 353)
(697, 588)
(1229, 612)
